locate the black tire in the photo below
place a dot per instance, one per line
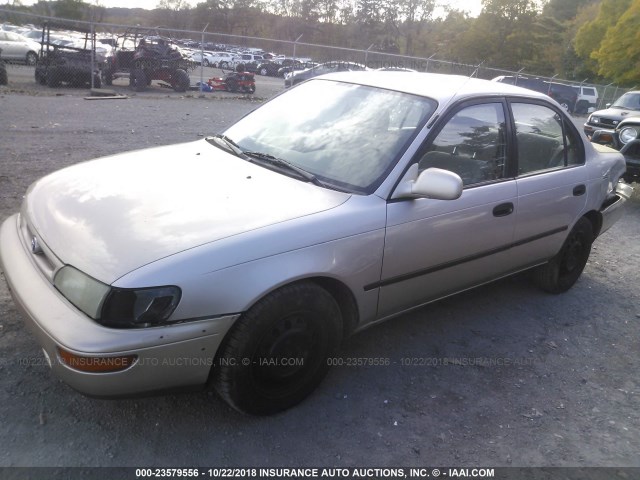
(232, 85)
(264, 72)
(97, 81)
(181, 81)
(31, 58)
(205, 62)
(40, 77)
(224, 64)
(563, 270)
(53, 78)
(300, 321)
(107, 77)
(4, 79)
(582, 106)
(139, 80)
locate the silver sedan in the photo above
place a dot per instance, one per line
(242, 260)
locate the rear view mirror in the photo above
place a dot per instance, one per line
(433, 183)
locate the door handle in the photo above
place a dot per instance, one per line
(503, 209)
(579, 190)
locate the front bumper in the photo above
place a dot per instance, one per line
(589, 130)
(174, 356)
(613, 209)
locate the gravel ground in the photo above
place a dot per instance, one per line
(558, 384)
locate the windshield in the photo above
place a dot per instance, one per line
(348, 136)
(630, 101)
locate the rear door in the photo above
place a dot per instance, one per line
(551, 180)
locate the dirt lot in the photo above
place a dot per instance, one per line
(557, 382)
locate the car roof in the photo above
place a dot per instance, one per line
(440, 87)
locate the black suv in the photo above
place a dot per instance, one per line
(565, 95)
(628, 105)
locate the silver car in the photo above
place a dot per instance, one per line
(15, 47)
(242, 260)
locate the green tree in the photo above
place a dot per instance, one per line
(73, 9)
(619, 54)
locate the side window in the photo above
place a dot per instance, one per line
(544, 142)
(471, 144)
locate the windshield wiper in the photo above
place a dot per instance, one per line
(226, 143)
(279, 162)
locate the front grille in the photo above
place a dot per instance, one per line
(43, 258)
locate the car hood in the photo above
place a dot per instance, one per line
(110, 216)
(616, 113)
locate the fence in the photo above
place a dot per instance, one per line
(75, 67)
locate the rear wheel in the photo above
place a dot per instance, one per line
(281, 346)
(31, 58)
(205, 62)
(180, 81)
(53, 78)
(224, 64)
(107, 77)
(4, 80)
(563, 270)
(264, 71)
(232, 84)
(138, 80)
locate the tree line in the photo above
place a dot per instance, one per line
(593, 40)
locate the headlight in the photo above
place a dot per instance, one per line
(86, 293)
(593, 119)
(117, 307)
(134, 308)
(627, 134)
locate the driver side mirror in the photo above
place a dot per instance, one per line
(433, 183)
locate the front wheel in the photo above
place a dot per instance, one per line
(563, 270)
(264, 71)
(278, 352)
(224, 65)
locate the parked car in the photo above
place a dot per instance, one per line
(224, 60)
(249, 61)
(207, 59)
(628, 105)
(565, 95)
(246, 257)
(295, 66)
(15, 47)
(587, 98)
(626, 138)
(269, 68)
(322, 69)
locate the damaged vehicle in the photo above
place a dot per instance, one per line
(242, 260)
(626, 138)
(628, 105)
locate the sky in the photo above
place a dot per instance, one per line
(472, 6)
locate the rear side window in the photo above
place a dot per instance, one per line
(544, 140)
(589, 91)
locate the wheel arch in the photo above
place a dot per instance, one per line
(340, 292)
(596, 221)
